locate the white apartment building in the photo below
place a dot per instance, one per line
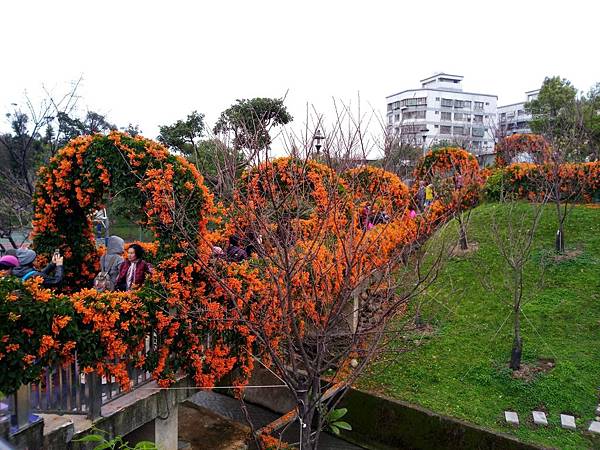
(441, 111)
(513, 118)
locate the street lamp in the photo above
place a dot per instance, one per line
(424, 131)
(317, 138)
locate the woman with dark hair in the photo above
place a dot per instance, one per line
(235, 253)
(133, 271)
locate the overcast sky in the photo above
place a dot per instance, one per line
(153, 62)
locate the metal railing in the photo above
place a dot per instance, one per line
(68, 390)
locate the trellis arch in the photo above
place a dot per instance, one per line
(164, 193)
(455, 175)
(379, 188)
(511, 147)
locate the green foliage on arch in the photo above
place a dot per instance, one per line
(162, 192)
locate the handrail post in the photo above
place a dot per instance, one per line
(22, 406)
(94, 389)
(4, 426)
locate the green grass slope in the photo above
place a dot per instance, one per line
(458, 364)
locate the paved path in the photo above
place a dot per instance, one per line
(230, 408)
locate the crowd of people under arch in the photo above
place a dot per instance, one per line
(119, 273)
(122, 274)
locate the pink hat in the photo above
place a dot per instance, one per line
(9, 261)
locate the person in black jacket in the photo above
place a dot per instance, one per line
(26, 271)
(235, 253)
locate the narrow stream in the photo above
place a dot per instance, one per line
(230, 408)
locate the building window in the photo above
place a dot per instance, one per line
(487, 103)
(397, 118)
(414, 101)
(459, 117)
(437, 112)
(390, 106)
(447, 102)
(458, 103)
(446, 116)
(477, 118)
(411, 129)
(390, 119)
(437, 99)
(458, 131)
(445, 129)
(477, 132)
(421, 114)
(467, 104)
(478, 106)
(521, 112)
(436, 126)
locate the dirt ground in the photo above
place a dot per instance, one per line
(204, 430)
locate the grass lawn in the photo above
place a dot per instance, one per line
(459, 365)
(129, 231)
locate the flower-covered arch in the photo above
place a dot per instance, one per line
(292, 194)
(511, 147)
(378, 188)
(89, 171)
(455, 174)
(180, 305)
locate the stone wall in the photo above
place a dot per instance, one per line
(381, 423)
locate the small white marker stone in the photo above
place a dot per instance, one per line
(511, 417)
(567, 422)
(598, 410)
(594, 427)
(539, 418)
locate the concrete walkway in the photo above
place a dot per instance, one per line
(229, 407)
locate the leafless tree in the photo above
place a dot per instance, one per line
(401, 156)
(514, 237)
(334, 322)
(565, 189)
(38, 129)
(558, 114)
(31, 142)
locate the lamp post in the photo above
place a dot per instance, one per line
(317, 138)
(424, 131)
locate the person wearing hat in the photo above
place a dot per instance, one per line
(25, 270)
(7, 263)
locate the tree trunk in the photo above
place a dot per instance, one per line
(517, 348)
(559, 242)
(306, 430)
(560, 239)
(418, 318)
(464, 243)
(515, 354)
